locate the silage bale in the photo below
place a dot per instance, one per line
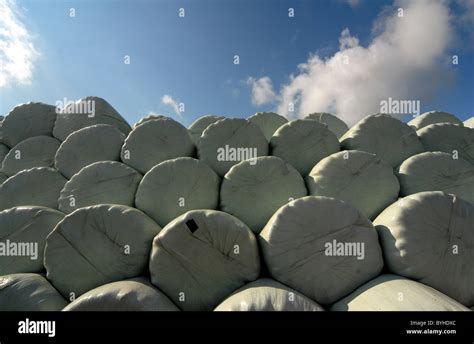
(38, 151)
(268, 122)
(104, 182)
(199, 125)
(149, 118)
(97, 245)
(359, 178)
(203, 256)
(99, 142)
(253, 190)
(69, 121)
(303, 143)
(23, 232)
(334, 123)
(29, 293)
(395, 293)
(469, 122)
(449, 138)
(176, 186)
(27, 120)
(433, 117)
(437, 171)
(267, 295)
(381, 134)
(428, 237)
(229, 141)
(133, 295)
(321, 247)
(155, 141)
(37, 186)
(3, 151)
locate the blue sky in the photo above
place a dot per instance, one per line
(191, 59)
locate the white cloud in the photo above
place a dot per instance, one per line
(17, 52)
(168, 100)
(262, 90)
(404, 60)
(352, 3)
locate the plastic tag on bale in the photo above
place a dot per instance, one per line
(395, 293)
(27, 120)
(228, 141)
(88, 145)
(428, 237)
(433, 117)
(303, 143)
(335, 124)
(155, 141)
(176, 186)
(29, 293)
(199, 263)
(381, 134)
(321, 247)
(437, 171)
(37, 186)
(38, 151)
(267, 295)
(86, 112)
(97, 245)
(268, 122)
(359, 178)
(198, 126)
(132, 295)
(254, 189)
(23, 232)
(104, 182)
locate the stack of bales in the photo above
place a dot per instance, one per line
(257, 214)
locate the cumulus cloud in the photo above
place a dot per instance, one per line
(405, 60)
(17, 52)
(168, 100)
(262, 90)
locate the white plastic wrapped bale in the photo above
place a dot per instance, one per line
(87, 112)
(359, 178)
(132, 295)
(229, 141)
(155, 141)
(97, 245)
(23, 232)
(254, 189)
(322, 247)
(27, 120)
(38, 151)
(29, 293)
(395, 293)
(99, 142)
(202, 257)
(176, 186)
(303, 143)
(381, 134)
(335, 124)
(37, 186)
(104, 182)
(433, 117)
(449, 138)
(149, 118)
(199, 125)
(268, 122)
(267, 295)
(437, 171)
(428, 237)
(469, 122)
(3, 151)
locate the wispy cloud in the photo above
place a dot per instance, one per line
(17, 52)
(262, 90)
(168, 100)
